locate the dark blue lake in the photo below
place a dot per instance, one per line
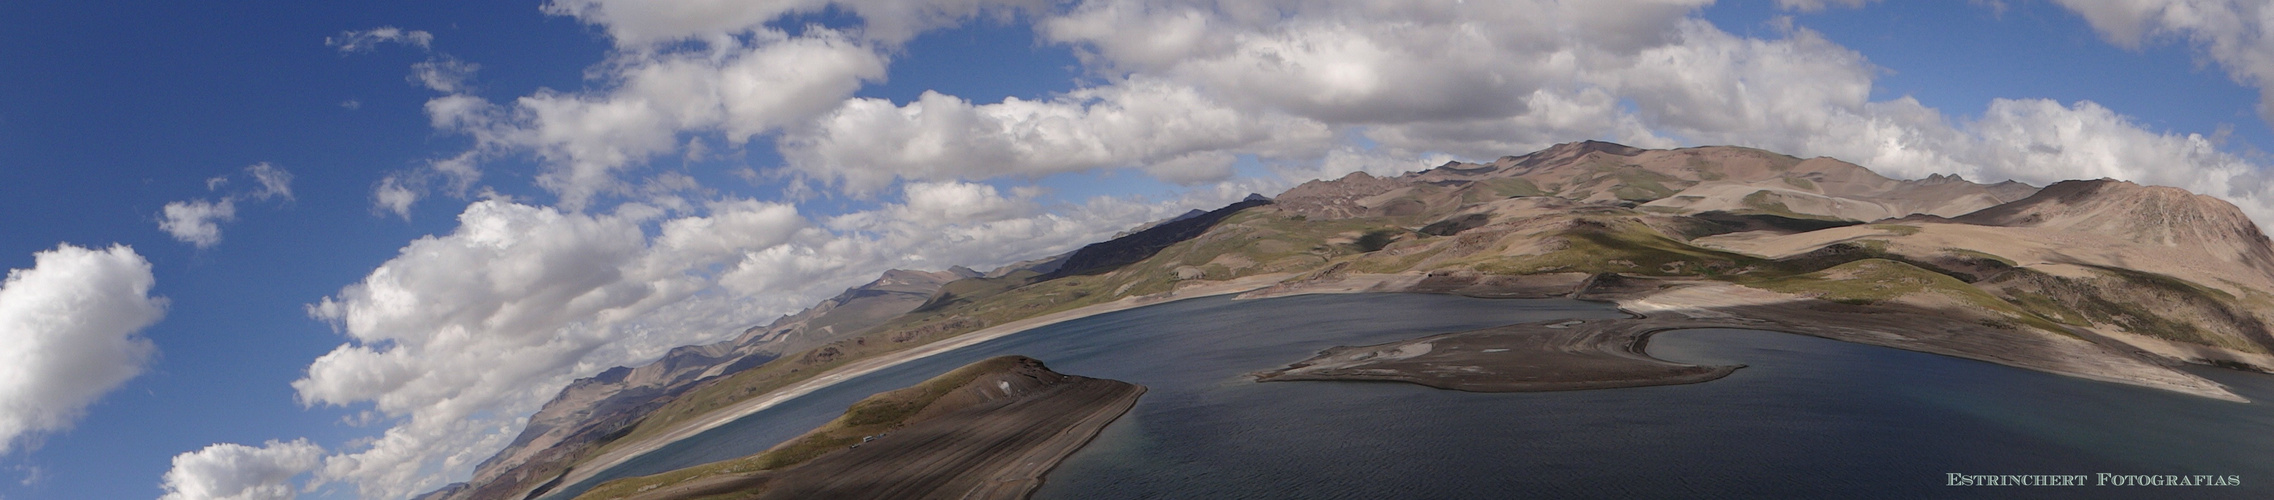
(1808, 418)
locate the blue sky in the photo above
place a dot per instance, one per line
(585, 183)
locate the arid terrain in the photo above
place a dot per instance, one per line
(2099, 279)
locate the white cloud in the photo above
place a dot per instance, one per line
(444, 74)
(197, 222)
(1191, 85)
(462, 334)
(737, 90)
(640, 24)
(1367, 63)
(69, 333)
(2233, 33)
(391, 195)
(230, 471)
(1172, 130)
(1818, 5)
(274, 181)
(364, 41)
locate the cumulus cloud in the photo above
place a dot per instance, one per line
(366, 40)
(460, 324)
(197, 222)
(230, 471)
(1187, 87)
(738, 90)
(392, 196)
(69, 333)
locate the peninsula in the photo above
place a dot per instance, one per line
(988, 430)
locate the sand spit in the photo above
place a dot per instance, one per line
(723, 416)
(1596, 354)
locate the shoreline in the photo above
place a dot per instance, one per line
(1022, 477)
(591, 468)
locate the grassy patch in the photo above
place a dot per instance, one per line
(1981, 255)
(1800, 183)
(1638, 184)
(2042, 305)
(1706, 170)
(1872, 281)
(1864, 281)
(1510, 187)
(1622, 245)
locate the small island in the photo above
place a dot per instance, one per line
(988, 430)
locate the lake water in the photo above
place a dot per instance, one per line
(1807, 418)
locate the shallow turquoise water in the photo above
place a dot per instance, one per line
(1808, 417)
